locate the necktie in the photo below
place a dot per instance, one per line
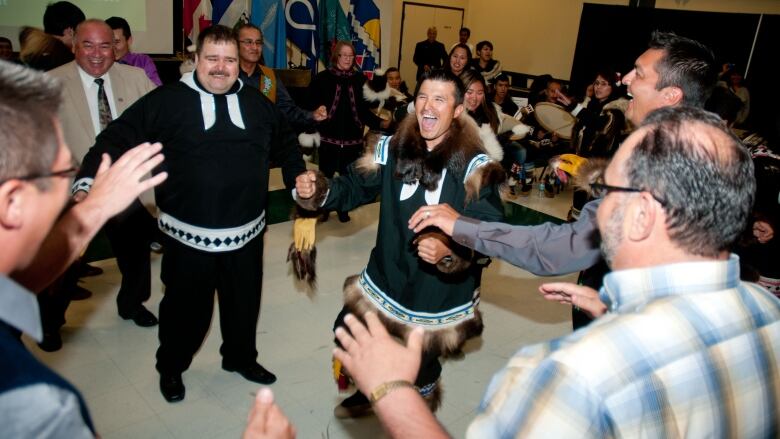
(104, 110)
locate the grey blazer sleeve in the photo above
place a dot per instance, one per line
(545, 250)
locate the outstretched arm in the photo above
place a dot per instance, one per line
(115, 187)
(546, 249)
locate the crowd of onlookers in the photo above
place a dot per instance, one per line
(672, 341)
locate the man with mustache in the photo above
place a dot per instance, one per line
(219, 138)
(97, 90)
(418, 279)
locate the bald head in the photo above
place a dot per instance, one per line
(700, 172)
(93, 46)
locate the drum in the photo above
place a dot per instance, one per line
(555, 119)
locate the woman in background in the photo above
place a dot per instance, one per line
(459, 59)
(340, 90)
(601, 124)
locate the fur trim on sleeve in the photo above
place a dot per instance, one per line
(373, 156)
(320, 192)
(489, 174)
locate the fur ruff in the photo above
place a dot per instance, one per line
(445, 342)
(320, 191)
(462, 142)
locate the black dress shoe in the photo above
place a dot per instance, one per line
(78, 292)
(255, 373)
(143, 317)
(86, 270)
(172, 387)
(52, 341)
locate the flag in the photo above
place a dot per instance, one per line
(364, 21)
(230, 13)
(196, 16)
(268, 15)
(333, 27)
(302, 19)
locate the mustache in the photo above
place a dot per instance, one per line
(219, 72)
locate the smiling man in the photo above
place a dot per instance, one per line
(687, 349)
(97, 90)
(219, 138)
(674, 70)
(418, 279)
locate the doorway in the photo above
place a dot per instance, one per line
(416, 18)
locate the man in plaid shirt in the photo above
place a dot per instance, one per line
(685, 349)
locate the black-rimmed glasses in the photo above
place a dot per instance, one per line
(600, 190)
(65, 173)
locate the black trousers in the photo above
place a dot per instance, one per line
(191, 277)
(130, 234)
(54, 300)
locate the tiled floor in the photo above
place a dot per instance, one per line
(112, 360)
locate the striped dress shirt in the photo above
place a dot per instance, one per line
(687, 350)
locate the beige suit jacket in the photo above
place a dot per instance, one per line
(128, 84)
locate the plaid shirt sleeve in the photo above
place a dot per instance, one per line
(534, 396)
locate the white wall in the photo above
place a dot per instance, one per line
(540, 36)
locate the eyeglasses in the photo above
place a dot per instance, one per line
(65, 173)
(600, 190)
(346, 56)
(251, 42)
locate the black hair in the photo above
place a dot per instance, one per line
(120, 23)
(60, 16)
(686, 64)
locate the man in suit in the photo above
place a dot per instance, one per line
(429, 54)
(97, 90)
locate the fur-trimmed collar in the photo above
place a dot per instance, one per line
(463, 141)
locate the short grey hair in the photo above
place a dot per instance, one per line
(29, 101)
